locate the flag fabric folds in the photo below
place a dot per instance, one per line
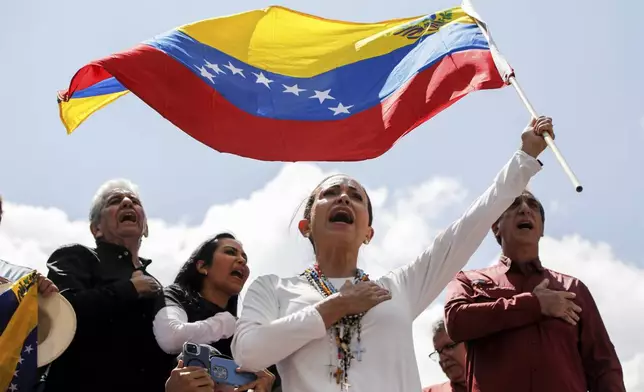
(18, 335)
(280, 85)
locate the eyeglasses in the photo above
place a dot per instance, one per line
(434, 356)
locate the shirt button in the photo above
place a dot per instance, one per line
(126, 253)
(120, 257)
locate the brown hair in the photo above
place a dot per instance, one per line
(308, 206)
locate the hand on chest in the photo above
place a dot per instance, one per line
(393, 313)
(508, 286)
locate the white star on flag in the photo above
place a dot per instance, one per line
(28, 349)
(293, 89)
(235, 70)
(20, 360)
(322, 95)
(13, 388)
(214, 67)
(206, 74)
(15, 373)
(261, 79)
(341, 109)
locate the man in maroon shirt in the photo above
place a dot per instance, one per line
(528, 328)
(451, 358)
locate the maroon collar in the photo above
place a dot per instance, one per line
(526, 268)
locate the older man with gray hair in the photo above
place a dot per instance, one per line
(114, 348)
(451, 358)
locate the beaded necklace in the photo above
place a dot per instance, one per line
(342, 331)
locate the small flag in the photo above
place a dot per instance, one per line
(280, 85)
(18, 335)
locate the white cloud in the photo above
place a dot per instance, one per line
(405, 221)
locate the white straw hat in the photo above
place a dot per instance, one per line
(56, 326)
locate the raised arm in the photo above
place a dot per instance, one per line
(427, 276)
(601, 364)
(70, 269)
(466, 319)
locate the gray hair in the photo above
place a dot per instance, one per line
(438, 327)
(104, 192)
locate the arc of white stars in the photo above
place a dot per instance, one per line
(235, 70)
(322, 95)
(214, 67)
(206, 74)
(293, 89)
(341, 109)
(262, 79)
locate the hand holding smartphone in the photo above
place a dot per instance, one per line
(222, 369)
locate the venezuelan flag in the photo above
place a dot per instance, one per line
(18, 335)
(276, 84)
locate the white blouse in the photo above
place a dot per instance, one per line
(280, 324)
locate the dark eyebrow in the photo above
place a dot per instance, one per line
(336, 186)
(243, 254)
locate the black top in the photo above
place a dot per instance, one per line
(114, 348)
(198, 308)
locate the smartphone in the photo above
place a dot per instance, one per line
(221, 369)
(196, 355)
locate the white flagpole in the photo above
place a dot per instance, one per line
(508, 74)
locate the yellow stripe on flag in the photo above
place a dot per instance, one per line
(291, 43)
(77, 110)
(22, 322)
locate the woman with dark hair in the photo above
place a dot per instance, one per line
(201, 305)
(332, 327)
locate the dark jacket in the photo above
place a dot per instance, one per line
(114, 348)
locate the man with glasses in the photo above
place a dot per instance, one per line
(451, 357)
(527, 327)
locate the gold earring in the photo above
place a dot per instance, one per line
(366, 242)
(306, 235)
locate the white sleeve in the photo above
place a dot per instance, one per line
(424, 279)
(263, 338)
(172, 329)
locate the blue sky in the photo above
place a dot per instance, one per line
(580, 65)
(577, 65)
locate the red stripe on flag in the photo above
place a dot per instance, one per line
(86, 77)
(185, 100)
